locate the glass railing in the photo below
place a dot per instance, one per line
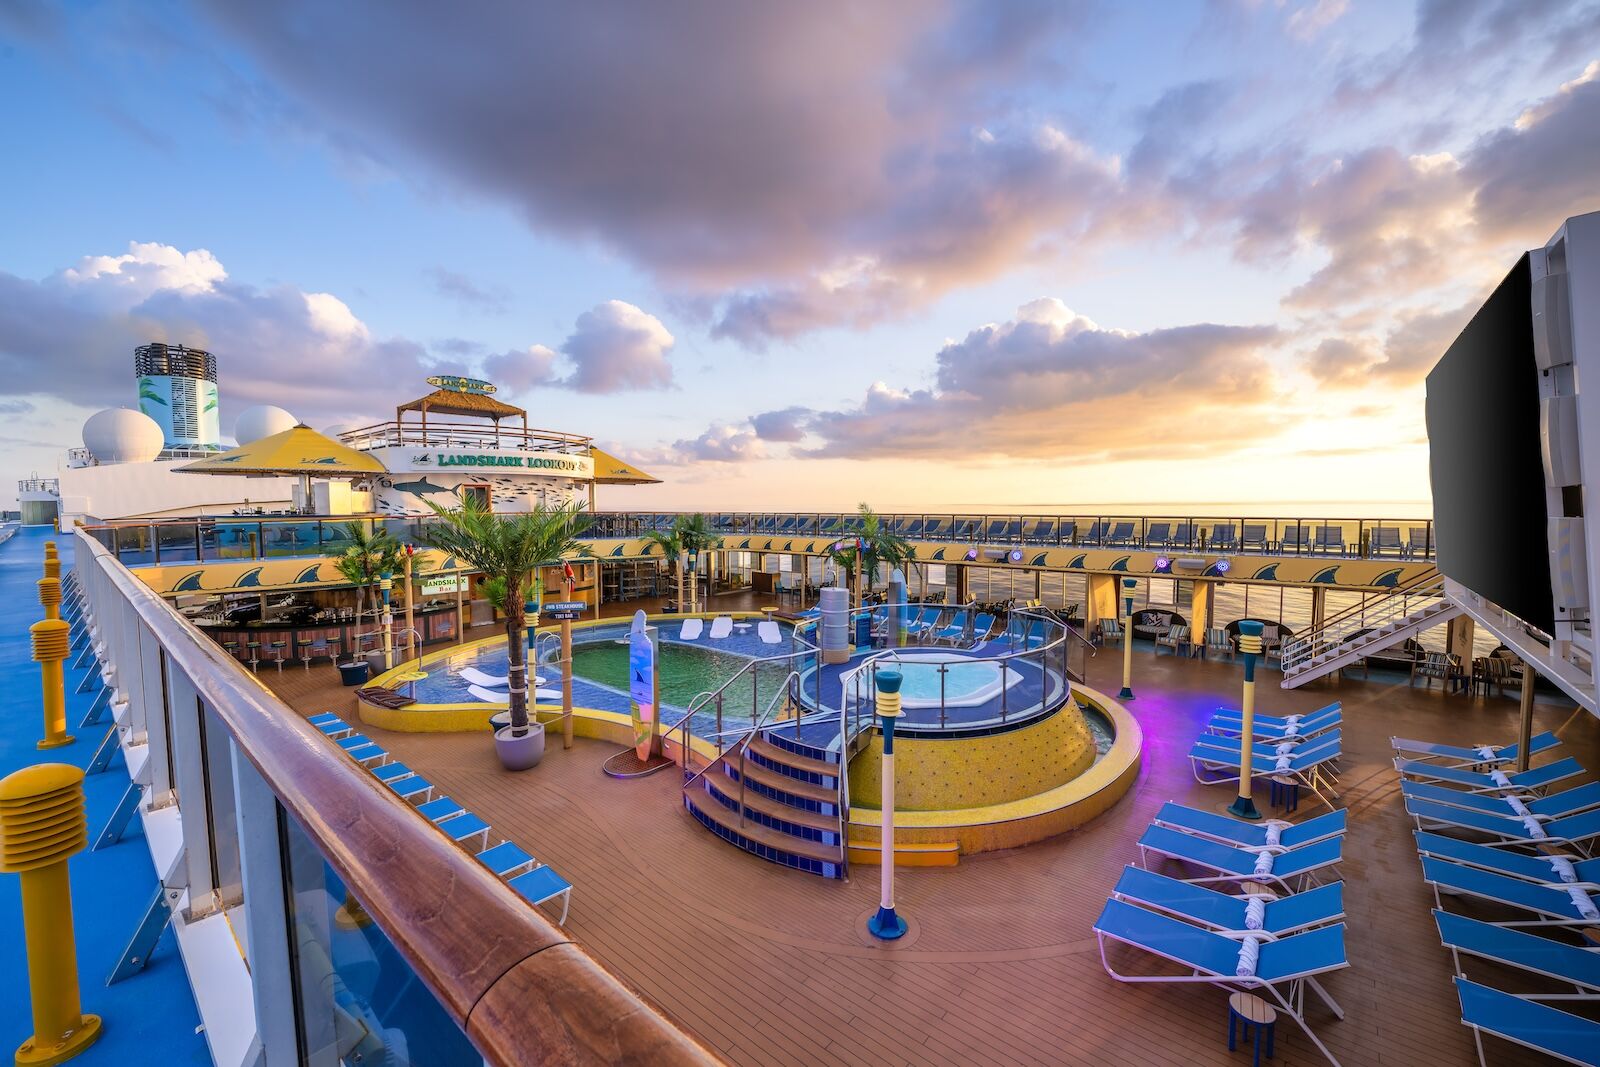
(362, 933)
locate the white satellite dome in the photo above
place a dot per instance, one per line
(338, 429)
(263, 420)
(122, 435)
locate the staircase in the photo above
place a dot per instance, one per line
(776, 797)
(1367, 628)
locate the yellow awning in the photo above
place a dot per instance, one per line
(609, 470)
(300, 450)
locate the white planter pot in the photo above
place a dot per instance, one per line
(520, 753)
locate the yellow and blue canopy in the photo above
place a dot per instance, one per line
(297, 451)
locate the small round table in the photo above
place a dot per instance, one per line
(1257, 1016)
(411, 678)
(1285, 791)
(1257, 889)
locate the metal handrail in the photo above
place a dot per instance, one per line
(1335, 631)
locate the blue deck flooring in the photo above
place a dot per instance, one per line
(151, 1017)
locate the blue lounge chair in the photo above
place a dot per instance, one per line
(1235, 715)
(1562, 906)
(542, 884)
(1530, 867)
(996, 530)
(828, 525)
(1294, 539)
(953, 630)
(1122, 536)
(965, 530)
(1159, 535)
(1277, 972)
(1529, 952)
(414, 788)
(324, 719)
(1470, 756)
(913, 528)
(1252, 836)
(1229, 724)
(1254, 537)
(1293, 869)
(1183, 536)
(1533, 780)
(1577, 831)
(1013, 531)
(1097, 533)
(937, 530)
(1385, 540)
(464, 828)
(440, 810)
(353, 741)
(1068, 534)
(368, 753)
(506, 859)
(1330, 539)
(1233, 742)
(1553, 806)
(1310, 765)
(392, 772)
(1043, 532)
(1527, 1023)
(1224, 538)
(925, 621)
(982, 626)
(331, 725)
(1219, 911)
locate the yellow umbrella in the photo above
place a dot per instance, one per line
(300, 450)
(609, 470)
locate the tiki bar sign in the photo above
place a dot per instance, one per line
(454, 383)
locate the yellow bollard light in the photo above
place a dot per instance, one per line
(42, 824)
(50, 640)
(1251, 644)
(50, 597)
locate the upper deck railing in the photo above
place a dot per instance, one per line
(326, 839)
(1215, 534)
(445, 434)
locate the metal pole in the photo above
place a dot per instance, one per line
(1244, 805)
(411, 629)
(1128, 585)
(1525, 728)
(566, 671)
(886, 924)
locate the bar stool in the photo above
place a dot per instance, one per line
(1257, 1016)
(306, 650)
(232, 648)
(278, 648)
(255, 655)
(334, 645)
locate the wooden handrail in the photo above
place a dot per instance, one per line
(511, 979)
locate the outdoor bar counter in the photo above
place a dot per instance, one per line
(331, 640)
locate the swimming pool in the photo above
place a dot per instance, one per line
(960, 683)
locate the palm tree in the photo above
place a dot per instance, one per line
(688, 534)
(371, 553)
(694, 531)
(878, 545)
(506, 549)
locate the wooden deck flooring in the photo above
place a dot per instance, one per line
(770, 966)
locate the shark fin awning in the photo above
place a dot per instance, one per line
(296, 451)
(609, 470)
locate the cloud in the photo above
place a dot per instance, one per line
(521, 371)
(1050, 384)
(616, 347)
(492, 299)
(721, 443)
(1309, 21)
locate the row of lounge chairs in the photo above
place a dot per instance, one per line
(1490, 833)
(1302, 749)
(722, 626)
(535, 882)
(1266, 917)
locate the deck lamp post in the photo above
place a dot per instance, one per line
(694, 581)
(886, 925)
(386, 586)
(1243, 806)
(1128, 586)
(411, 631)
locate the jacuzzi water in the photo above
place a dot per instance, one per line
(964, 683)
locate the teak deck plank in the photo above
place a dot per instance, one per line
(769, 965)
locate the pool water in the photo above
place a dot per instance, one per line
(685, 671)
(962, 684)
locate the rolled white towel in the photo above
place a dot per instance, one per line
(1284, 762)
(1249, 953)
(1291, 730)
(1488, 753)
(1286, 748)
(1263, 864)
(1534, 826)
(1516, 805)
(1292, 719)
(1581, 901)
(1255, 913)
(1563, 868)
(1274, 830)
(1499, 779)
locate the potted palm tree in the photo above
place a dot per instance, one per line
(875, 544)
(371, 553)
(508, 550)
(689, 535)
(694, 532)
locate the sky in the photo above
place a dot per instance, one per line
(933, 255)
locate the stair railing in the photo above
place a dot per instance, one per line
(1298, 652)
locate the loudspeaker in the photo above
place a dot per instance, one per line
(1558, 439)
(1569, 566)
(1552, 321)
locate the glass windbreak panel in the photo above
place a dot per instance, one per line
(336, 537)
(291, 538)
(134, 546)
(234, 540)
(177, 542)
(356, 999)
(1296, 612)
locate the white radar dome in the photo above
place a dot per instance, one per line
(338, 429)
(121, 435)
(263, 420)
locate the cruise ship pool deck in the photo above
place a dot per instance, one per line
(767, 965)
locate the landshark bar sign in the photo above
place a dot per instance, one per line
(473, 463)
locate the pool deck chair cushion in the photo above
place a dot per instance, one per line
(1220, 911)
(1470, 756)
(1270, 834)
(769, 633)
(1294, 869)
(691, 629)
(721, 627)
(1530, 867)
(1216, 959)
(542, 884)
(476, 677)
(1532, 780)
(506, 859)
(1561, 905)
(488, 695)
(1552, 1031)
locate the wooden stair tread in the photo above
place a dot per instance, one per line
(762, 835)
(777, 754)
(776, 809)
(782, 782)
